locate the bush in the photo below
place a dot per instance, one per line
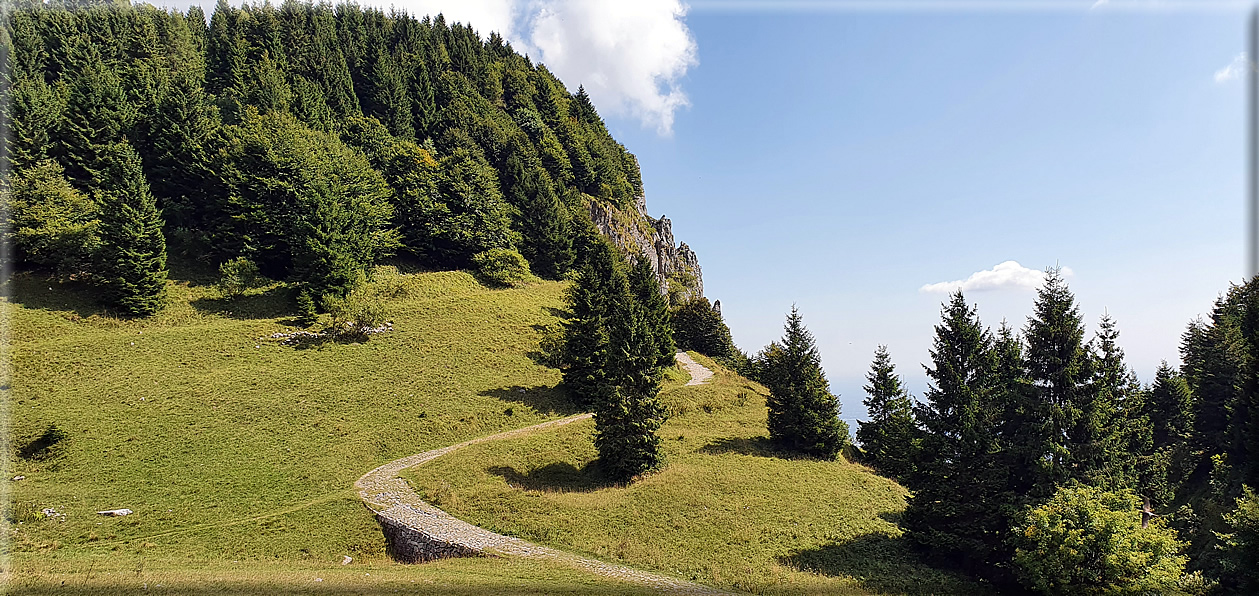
(238, 275)
(307, 314)
(501, 266)
(551, 346)
(1089, 541)
(1240, 560)
(356, 313)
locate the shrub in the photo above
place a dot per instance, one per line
(306, 311)
(356, 313)
(1240, 560)
(1089, 541)
(551, 345)
(238, 275)
(501, 266)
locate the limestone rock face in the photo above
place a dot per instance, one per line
(637, 233)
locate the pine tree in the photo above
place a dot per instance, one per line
(961, 505)
(803, 414)
(133, 253)
(586, 339)
(97, 115)
(1168, 406)
(1059, 369)
(646, 291)
(1109, 413)
(889, 439)
(698, 326)
(545, 225)
(627, 411)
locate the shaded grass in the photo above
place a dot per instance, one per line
(193, 577)
(726, 510)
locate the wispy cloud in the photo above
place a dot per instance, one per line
(1009, 275)
(1235, 70)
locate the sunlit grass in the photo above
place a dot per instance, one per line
(726, 509)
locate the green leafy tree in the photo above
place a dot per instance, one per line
(889, 439)
(53, 224)
(1240, 546)
(1087, 541)
(133, 249)
(803, 414)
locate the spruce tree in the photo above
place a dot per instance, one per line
(1109, 413)
(646, 291)
(545, 225)
(1168, 408)
(586, 340)
(961, 505)
(133, 252)
(627, 411)
(698, 326)
(803, 414)
(889, 439)
(1059, 369)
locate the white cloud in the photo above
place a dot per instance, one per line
(1099, 3)
(1234, 70)
(630, 56)
(1009, 275)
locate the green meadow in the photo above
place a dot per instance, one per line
(238, 453)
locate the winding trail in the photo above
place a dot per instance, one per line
(397, 505)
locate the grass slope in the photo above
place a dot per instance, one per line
(235, 451)
(238, 455)
(726, 510)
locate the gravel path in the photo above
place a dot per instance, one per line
(699, 374)
(392, 498)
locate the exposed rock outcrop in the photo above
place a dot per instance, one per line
(637, 233)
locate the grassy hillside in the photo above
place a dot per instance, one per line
(230, 448)
(238, 454)
(726, 510)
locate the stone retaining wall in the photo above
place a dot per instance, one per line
(407, 544)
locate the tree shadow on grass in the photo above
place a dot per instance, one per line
(271, 303)
(552, 401)
(560, 477)
(39, 290)
(758, 446)
(884, 564)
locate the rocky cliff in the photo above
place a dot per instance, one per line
(637, 233)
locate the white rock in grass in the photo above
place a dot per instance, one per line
(346, 560)
(115, 512)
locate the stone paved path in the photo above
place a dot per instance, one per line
(396, 504)
(699, 374)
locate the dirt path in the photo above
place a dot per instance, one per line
(699, 374)
(394, 500)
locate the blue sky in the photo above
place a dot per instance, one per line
(842, 155)
(840, 160)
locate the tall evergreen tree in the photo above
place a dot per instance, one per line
(698, 326)
(97, 115)
(133, 252)
(961, 505)
(1060, 369)
(1108, 413)
(586, 340)
(803, 414)
(889, 439)
(646, 291)
(1168, 406)
(627, 411)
